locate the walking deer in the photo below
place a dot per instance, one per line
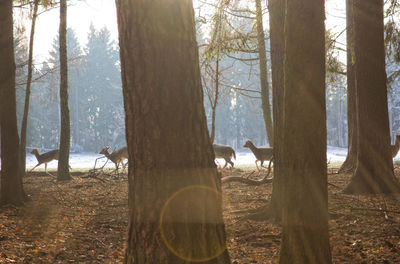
(261, 154)
(44, 158)
(395, 148)
(117, 156)
(224, 152)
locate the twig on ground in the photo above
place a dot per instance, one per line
(248, 181)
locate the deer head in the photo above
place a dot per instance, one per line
(248, 144)
(104, 151)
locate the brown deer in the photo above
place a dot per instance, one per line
(44, 158)
(261, 154)
(395, 148)
(117, 156)
(224, 152)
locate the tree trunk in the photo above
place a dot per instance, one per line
(262, 53)
(277, 41)
(11, 191)
(374, 170)
(350, 163)
(63, 161)
(305, 237)
(24, 124)
(215, 102)
(174, 187)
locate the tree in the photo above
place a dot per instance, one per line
(276, 10)
(305, 237)
(216, 43)
(103, 104)
(174, 189)
(262, 53)
(241, 40)
(276, 24)
(11, 181)
(24, 124)
(77, 97)
(214, 52)
(374, 169)
(63, 161)
(350, 163)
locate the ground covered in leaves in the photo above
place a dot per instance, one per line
(85, 221)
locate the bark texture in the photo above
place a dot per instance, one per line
(262, 53)
(305, 237)
(11, 191)
(63, 160)
(277, 41)
(24, 124)
(349, 164)
(174, 188)
(374, 170)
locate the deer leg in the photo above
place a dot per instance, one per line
(232, 164)
(226, 163)
(270, 163)
(34, 167)
(257, 165)
(45, 170)
(116, 167)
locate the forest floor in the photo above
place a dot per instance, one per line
(85, 221)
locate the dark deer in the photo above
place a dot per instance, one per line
(117, 156)
(224, 152)
(395, 148)
(261, 154)
(44, 158)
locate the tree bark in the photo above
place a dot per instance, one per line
(63, 161)
(277, 41)
(374, 170)
(24, 124)
(11, 191)
(305, 237)
(262, 53)
(174, 188)
(349, 164)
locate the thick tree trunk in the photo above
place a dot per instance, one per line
(349, 164)
(24, 124)
(305, 237)
(277, 41)
(11, 191)
(374, 170)
(262, 53)
(174, 189)
(63, 160)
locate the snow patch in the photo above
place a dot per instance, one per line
(243, 157)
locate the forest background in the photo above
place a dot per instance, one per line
(96, 102)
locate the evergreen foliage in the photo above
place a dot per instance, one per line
(96, 103)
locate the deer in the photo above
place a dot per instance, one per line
(44, 158)
(261, 154)
(395, 148)
(117, 156)
(224, 152)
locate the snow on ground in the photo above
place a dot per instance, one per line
(246, 157)
(243, 157)
(76, 161)
(336, 154)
